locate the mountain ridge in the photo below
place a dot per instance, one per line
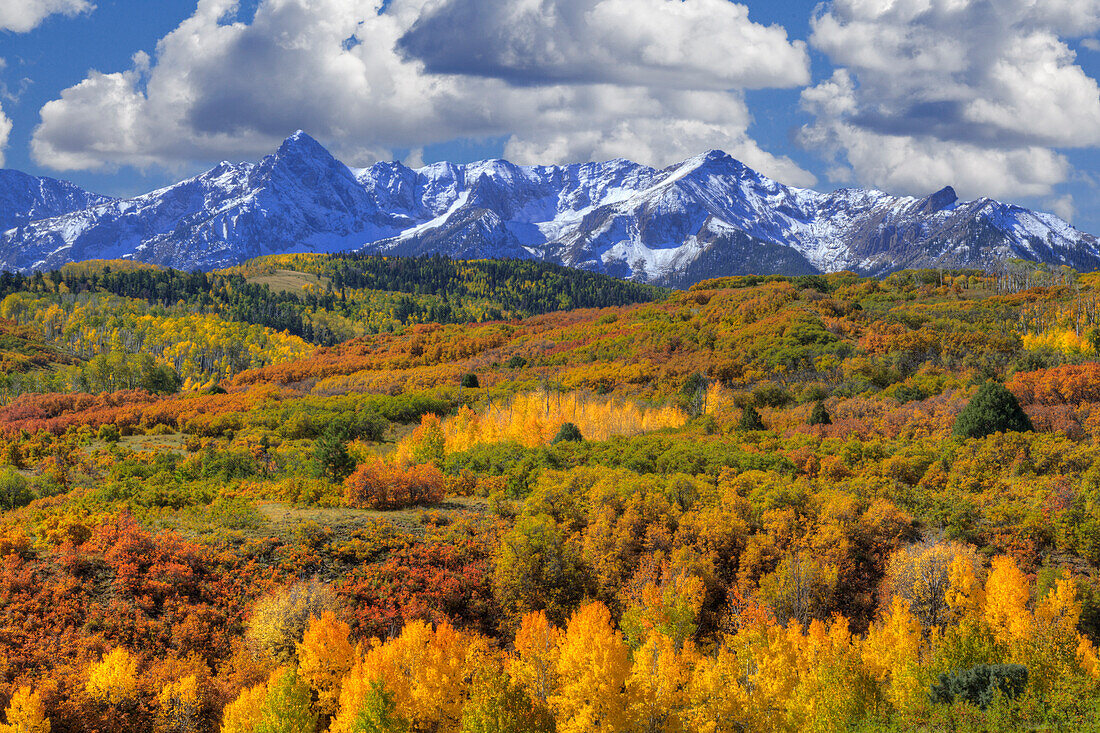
(707, 216)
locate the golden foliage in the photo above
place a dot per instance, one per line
(25, 713)
(325, 656)
(536, 660)
(426, 670)
(892, 652)
(181, 706)
(279, 621)
(241, 715)
(534, 419)
(593, 666)
(113, 681)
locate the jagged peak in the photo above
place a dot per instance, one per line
(711, 160)
(301, 145)
(940, 200)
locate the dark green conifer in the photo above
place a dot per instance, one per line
(820, 416)
(992, 410)
(750, 420)
(569, 432)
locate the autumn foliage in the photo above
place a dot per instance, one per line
(757, 516)
(380, 485)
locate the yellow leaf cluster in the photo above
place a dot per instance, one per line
(113, 681)
(535, 418)
(26, 714)
(325, 656)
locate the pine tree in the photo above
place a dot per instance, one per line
(331, 457)
(569, 433)
(820, 416)
(992, 410)
(750, 420)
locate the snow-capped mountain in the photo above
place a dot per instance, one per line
(706, 217)
(25, 198)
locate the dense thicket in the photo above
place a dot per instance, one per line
(742, 507)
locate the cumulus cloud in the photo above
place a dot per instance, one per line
(217, 87)
(708, 44)
(5, 131)
(968, 92)
(1064, 207)
(22, 16)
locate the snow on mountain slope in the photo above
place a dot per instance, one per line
(706, 217)
(24, 198)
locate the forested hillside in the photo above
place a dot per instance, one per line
(822, 503)
(124, 325)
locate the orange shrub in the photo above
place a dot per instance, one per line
(1063, 385)
(380, 485)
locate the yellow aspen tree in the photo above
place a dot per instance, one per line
(659, 685)
(1006, 596)
(833, 689)
(366, 703)
(26, 714)
(241, 715)
(325, 656)
(535, 662)
(967, 640)
(181, 706)
(891, 652)
(593, 669)
(279, 620)
(1057, 650)
(113, 681)
(773, 654)
(718, 699)
(426, 670)
(1088, 658)
(965, 595)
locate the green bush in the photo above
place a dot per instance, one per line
(568, 432)
(330, 456)
(978, 685)
(750, 420)
(992, 410)
(108, 433)
(15, 491)
(819, 415)
(771, 394)
(470, 381)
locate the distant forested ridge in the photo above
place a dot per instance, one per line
(373, 293)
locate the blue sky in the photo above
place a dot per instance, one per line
(995, 97)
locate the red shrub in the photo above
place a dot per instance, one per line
(380, 485)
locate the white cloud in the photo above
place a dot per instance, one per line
(700, 44)
(221, 88)
(5, 131)
(969, 92)
(22, 16)
(1064, 207)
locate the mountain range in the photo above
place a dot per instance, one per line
(705, 217)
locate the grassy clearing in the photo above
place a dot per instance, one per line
(168, 443)
(282, 520)
(291, 281)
